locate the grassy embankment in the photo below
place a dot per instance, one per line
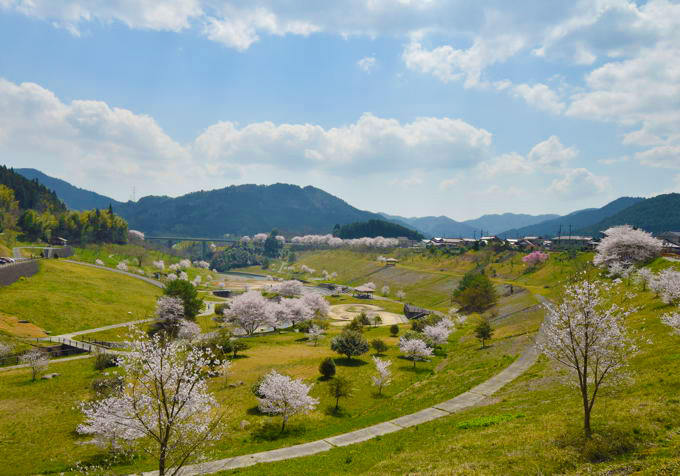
(533, 425)
(65, 297)
(460, 366)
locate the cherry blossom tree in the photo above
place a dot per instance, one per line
(666, 283)
(370, 285)
(159, 265)
(314, 334)
(174, 267)
(122, 266)
(626, 245)
(401, 295)
(414, 349)
(385, 290)
(306, 269)
(164, 408)
(317, 303)
(249, 311)
(298, 310)
(535, 258)
(135, 235)
(171, 277)
(188, 330)
(587, 337)
(439, 333)
(672, 319)
(98, 262)
(183, 276)
(245, 239)
(282, 395)
(184, 263)
(260, 237)
(289, 288)
(644, 276)
(37, 361)
(384, 377)
(5, 349)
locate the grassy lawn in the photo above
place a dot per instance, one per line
(65, 297)
(533, 425)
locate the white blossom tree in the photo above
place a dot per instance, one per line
(314, 334)
(672, 319)
(37, 361)
(384, 377)
(122, 266)
(249, 311)
(98, 262)
(317, 303)
(183, 276)
(282, 395)
(298, 310)
(188, 330)
(385, 290)
(400, 295)
(290, 288)
(164, 408)
(439, 333)
(414, 349)
(587, 336)
(159, 265)
(5, 349)
(171, 277)
(666, 283)
(184, 263)
(627, 246)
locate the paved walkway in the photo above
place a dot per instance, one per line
(154, 282)
(53, 361)
(462, 402)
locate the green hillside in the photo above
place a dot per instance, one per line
(656, 215)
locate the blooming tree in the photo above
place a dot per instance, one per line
(298, 310)
(183, 276)
(164, 408)
(184, 263)
(282, 395)
(122, 266)
(159, 265)
(672, 319)
(99, 262)
(290, 288)
(414, 349)
(317, 303)
(249, 311)
(188, 330)
(5, 349)
(588, 338)
(370, 285)
(385, 290)
(171, 277)
(439, 333)
(644, 276)
(202, 264)
(535, 258)
(37, 361)
(384, 377)
(135, 235)
(260, 238)
(666, 284)
(245, 239)
(626, 245)
(306, 269)
(168, 307)
(174, 267)
(314, 334)
(400, 294)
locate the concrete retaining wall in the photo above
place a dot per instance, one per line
(62, 252)
(10, 273)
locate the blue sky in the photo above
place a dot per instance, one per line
(410, 107)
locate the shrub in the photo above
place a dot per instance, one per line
(338, 388)
(327, 367)
(220, 308)
(255, 387)
(102, 361)
(379, 346)
(356, 325)
(350, 343)
(475, 292)
(394, 329)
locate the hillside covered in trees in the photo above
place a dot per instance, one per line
(31, 212)
(373, 228)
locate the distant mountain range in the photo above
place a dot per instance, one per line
(249, 209)
(576, 222)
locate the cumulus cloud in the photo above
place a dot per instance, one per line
(539, 96)
(506, 164)
(667, 156)
(367, 64)
(91, 138)
(579, 183)
(551, 154)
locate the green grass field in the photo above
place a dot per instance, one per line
(65, 297)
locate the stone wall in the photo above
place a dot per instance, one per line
(10, 273)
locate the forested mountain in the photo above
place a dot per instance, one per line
(75, 198)
(242, 210)
(575, 221)
(656, 215)
(373, 228)
(441, 226)
(494, 224)
(30, 193)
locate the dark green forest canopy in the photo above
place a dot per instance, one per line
(373, 228)
(29, 193)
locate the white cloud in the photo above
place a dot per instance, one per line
(579, 183)
(450, 183)
(449, 64)
(539, 96)
(667, 156)
(614, 160)
(367, 64)
(506, 164)
(551, 154)
(90, 138)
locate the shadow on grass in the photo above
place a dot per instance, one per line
(254, 411)
(271, 431)
(239, 356)
(345, 362)
(339, 413)
(606, 444)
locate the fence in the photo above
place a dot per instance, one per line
(64, 350)
(10, 273)
(104, 343)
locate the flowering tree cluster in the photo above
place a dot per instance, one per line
(673, 320)
(159, 265)
(37, 361)
(326, 275)
(588, 338)
(414, 349)
(439, 333)
(384, 377)
(317, 303)
(135, 235)
(185, 263)
(174, 267)
(122, 266)
(99, 262)
(250, 311)
(306, 269)
(284, 396)
(164, 408)
(289, 288)
(330, 241)
(5, 349)
(202, 264)
(626, 245)
(260, 238)
(535, 258)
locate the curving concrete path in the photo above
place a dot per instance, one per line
(459, 403)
